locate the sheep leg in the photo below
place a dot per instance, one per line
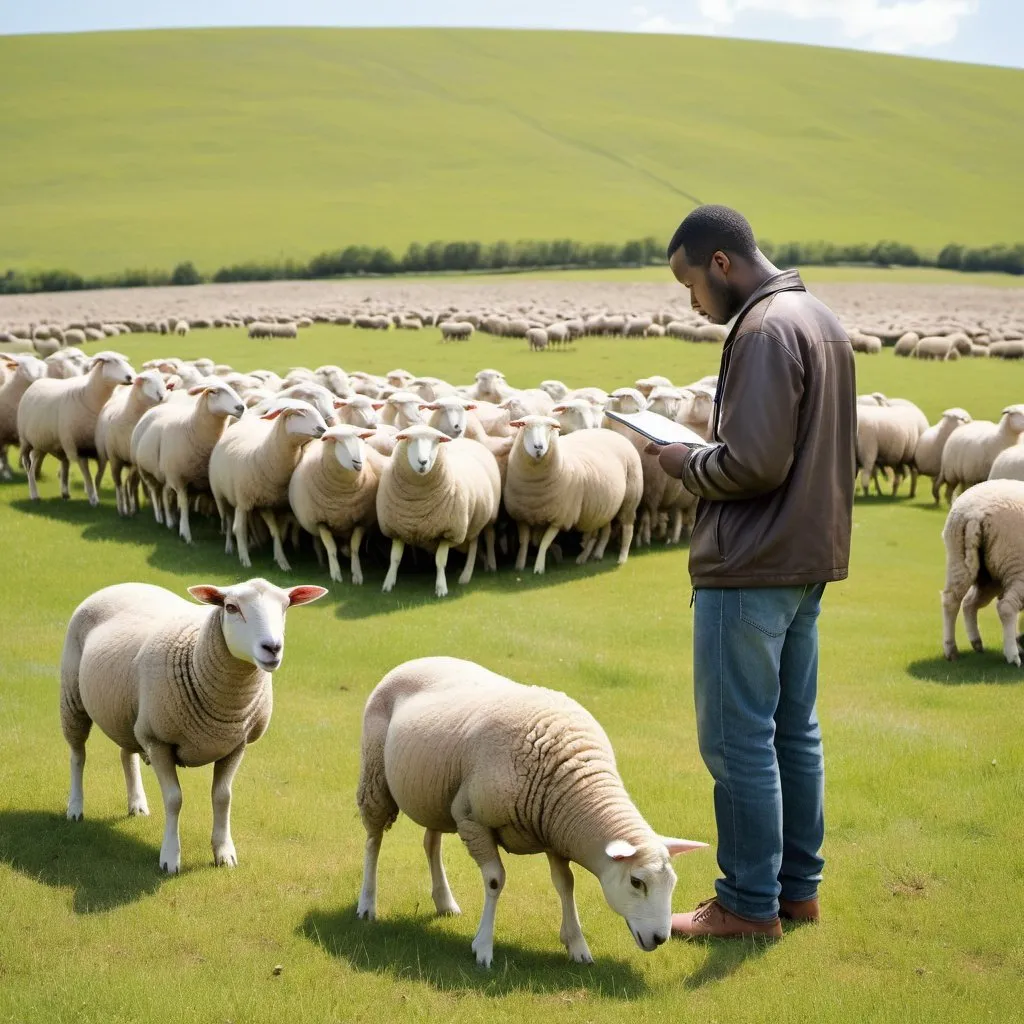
(34, 458)
(366, 909)
(62, 474)
(90, 487)
(524, 546)
(952, 597)
(570, 933)
(240, 528)
(479, 841)
(913, 481)
(77, 745)
(332, 553)
(627, 540)
(643, 533)
(184, 529)
(101, 465)
(355, 566)
(467, 572)
(545, 542)
(5, 466)
(440, 890)
(589, 540)
(397, 547)
(936, 484)
(132, 492)
(440, 562)
(490, 563)
(116, 469)
(270, 518)
(137, 803)
(162, 759)
(223, 775)
(677, 526)
(1009, 610)
(602, 541)
(168, 513)
(976, 599)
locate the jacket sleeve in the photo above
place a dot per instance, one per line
(757, 423)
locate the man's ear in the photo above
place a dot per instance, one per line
(722, 261)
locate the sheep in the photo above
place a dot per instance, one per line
(866, 343)
(936, 347)
(58, 417)
(887, 436)
(490, 386)
(181, 328)
(928, 453)
(114, 426)
(333, 492)
(399, 378)
(906, 344)
(522, 767)
(556, 334)
(984, 540)
(74, 336)
(23, 369)
(358, 411)
(171, 445)
(537, 338)
(321, 398)
(971, 449)
(335, 379)
(645, 385)
(438, 493)
(456, 330)
(584, 481)
(176, 682)
(625, 400)
(573, 414)
(250, 468)
(1008, 464)
(66, 364)
(1007, 349)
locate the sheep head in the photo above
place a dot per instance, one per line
(535, 433)
(420, 444)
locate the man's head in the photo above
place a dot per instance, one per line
(713, 253)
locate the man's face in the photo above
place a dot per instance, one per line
(712, 293)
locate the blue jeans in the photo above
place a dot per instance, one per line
(755, 675)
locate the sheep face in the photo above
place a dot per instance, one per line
(638, 882)
(421, 444)
(252, 620)
(574, 415)
(406, 407)
(359, 410)
(399, 378)
(300, 418)
(115, 368)
(452, 420)
(627, 400)
(555, 388)
(349, 449)
(151, 384)
(25, 366)
(665, 402)
(536, 434)
(221, 400)
(1014, 416)
(957, 416)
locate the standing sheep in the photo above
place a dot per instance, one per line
(23, 369)
(930, 445)
(971, 449)
(461, 749)
(585, 481)
(58, 417)
(1008, 464)
(180, 684)
(984, 540)
(181, 328)
(438, 493)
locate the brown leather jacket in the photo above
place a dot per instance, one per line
(776, 490)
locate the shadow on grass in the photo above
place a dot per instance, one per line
(105, 868)
(410, 949)
(724, 957)
(206, 561)
(987, 669)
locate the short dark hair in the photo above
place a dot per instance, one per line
(709, 229)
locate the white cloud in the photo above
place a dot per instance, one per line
(893, 25)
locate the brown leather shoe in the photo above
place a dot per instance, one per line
(800, 911)
(712, 921)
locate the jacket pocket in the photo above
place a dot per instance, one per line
(769, 609)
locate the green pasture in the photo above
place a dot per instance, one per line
(141, 149)
(924, 764)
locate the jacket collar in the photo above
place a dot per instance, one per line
(784, 281)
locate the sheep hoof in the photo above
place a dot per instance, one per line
(978, 646)
(75, 814)
(580, 954)
(484, 953)
(225, 856)
(135, 810)
(952, 654)
(366, 911)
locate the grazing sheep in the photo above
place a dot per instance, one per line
(250, 468)
(456, 330)
(971, 449)
(584, 481)
(22, 369)
(906, 344)
(928, 453)
(333, 492)
(936, 347)
(458, 748)
(438, 493)
(984, 540)
(117, 420)
(887, 437)
(58, 417)
(179, 684)
(171, 446)
(1008, 464)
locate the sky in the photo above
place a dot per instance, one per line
(975, 31)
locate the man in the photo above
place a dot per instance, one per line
(773, 527)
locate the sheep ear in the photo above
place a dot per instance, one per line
(198, 389)
(558, 408)
(443, 439)
(207, 594)
(469, 406)
(341, 403)
(428, 405)
(272, 414)
(516, 423)
(619, 849)
(677, 846)
(364, 434)
(305, 595)
(401, 437)
(378, 405)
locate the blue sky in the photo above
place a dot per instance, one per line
(978, 31)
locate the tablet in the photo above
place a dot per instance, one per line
(656, 427)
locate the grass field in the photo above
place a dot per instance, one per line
(924, 773)
(136, 149)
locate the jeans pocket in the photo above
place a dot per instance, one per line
(769, 609)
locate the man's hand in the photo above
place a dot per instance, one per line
(671, 457)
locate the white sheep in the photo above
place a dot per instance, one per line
(537, 339)
(181, 328)
(117, 420)
(58, 417)
(171, 445)
(584, 481)
(928, 453)
(458, 748)
(333, 492)
(179, 683)
(22, 370)
(1008, 464)
(456, 330)
(572, 414)
(972, 448)
(984, 540)
(887, 437)
(438, 493)
(490, 386)
(250, 468)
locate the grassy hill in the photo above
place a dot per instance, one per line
(146, 148)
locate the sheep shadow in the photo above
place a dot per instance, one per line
(724, 958)
(987, 669)
(103, 867)
(409, 948)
